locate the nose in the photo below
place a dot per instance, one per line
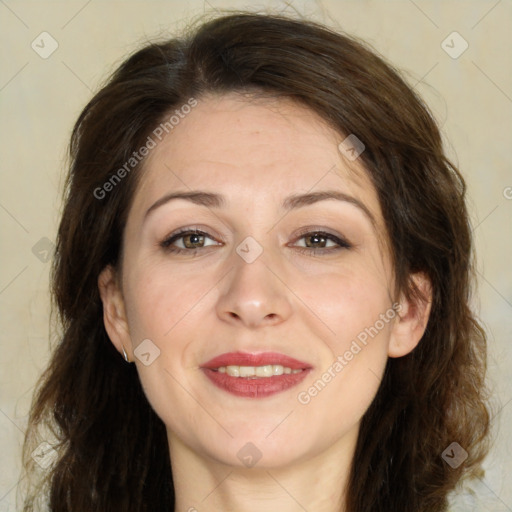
(254, 294)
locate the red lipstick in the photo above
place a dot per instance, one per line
(262, 359)
(255, 387)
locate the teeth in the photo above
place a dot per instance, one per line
(256, 371)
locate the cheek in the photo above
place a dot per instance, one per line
(341, 391)
(163, 306)
(355, 316)
(160, 301)
(345, 304)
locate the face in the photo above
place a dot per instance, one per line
(291, 287)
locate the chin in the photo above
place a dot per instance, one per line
(253, 452)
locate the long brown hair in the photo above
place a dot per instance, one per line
(112, 452)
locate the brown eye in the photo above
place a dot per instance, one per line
(193, 240)
(317, 241)
(186, 241)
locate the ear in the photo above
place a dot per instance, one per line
(412, 318)
(114, 314)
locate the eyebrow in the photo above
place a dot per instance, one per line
(295, 201)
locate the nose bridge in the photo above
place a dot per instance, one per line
(252, 293)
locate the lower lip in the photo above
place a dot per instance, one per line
(260, 387)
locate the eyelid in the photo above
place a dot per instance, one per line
(342, 241)
(180, 233)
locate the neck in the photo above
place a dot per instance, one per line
(317, 483)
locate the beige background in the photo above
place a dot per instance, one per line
(40, 99)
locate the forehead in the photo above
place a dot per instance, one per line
(255, 151)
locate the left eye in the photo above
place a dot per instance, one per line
(319, 240)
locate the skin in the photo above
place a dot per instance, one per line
(257, 152)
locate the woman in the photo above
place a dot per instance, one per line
(263, 271)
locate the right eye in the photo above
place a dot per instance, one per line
(191, 240)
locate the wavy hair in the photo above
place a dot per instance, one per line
(111, 447)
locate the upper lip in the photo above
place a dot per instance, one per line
(259, 359)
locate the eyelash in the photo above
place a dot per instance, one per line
(342, 243)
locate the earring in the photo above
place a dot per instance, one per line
(126, 356)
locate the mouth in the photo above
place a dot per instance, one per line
(255, 375)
